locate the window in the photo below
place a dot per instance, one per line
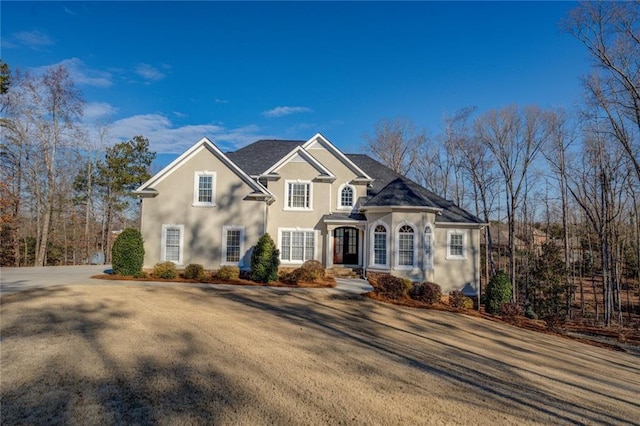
(380, 245)
(298, 195)
(456, 245)
(204, 189)
(346, 197)
(172, 237)
(297, 246)
(232, 245)
(428, 247)
(405, 246)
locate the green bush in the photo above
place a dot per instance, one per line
(194, 271)
(228, 273)
(459, 301)
(165, 270)
(529, 312)
(310, 271)
(127, 254)
(497, 293)
(141, 274)
(265, 260)
(288, 276)
(426, 292)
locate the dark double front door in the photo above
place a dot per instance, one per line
(345, 246)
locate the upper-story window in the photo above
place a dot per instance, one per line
(204, 189)
(346, 196)
(298, 195)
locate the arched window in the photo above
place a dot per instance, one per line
(346, 197)
(428, 247)
(406, 248)
(380, 245)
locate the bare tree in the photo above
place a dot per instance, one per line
(514, 138)
(611, 33)
(396, 143)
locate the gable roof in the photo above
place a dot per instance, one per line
(260, 156)
(147, 189)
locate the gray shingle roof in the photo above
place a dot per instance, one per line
(258, 157)
(393, 189)
(388, 189)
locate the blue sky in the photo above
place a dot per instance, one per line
(237, 72)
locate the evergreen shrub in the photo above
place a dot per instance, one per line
(194, 271)
(265, 260)
(497, 293)
(427, 292)
(228, 273)
(127, 254)
(166, 270)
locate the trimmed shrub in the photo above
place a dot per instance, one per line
(141, 274)
(310, 271)
(194, 271)
(166, 270)
(459, 300)
(265, 260)
(426, 292)
(127, 254)
(389, 286)
(529, 312)
(288, 276)
(228, 273)
(497, 293)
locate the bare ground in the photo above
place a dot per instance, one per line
(114, 354)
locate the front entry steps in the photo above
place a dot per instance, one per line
(345, 272)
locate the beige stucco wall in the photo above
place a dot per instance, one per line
(202, 225)
(324, 199)
(450, 274)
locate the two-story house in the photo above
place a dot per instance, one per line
(210, 207)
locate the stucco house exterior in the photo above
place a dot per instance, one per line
(346, 210)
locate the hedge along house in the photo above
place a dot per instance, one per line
(345, 210)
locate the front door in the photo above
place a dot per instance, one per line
(345, 246)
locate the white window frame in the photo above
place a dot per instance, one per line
(287, 201)
(225, 247)
(373, 242)
(306, 231)
(451, 256)
(163, 246)
(428, 242)
(196, 188)
(353, 199)
(397, 247)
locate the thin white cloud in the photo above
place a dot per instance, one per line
(81, 74)
(98, 110)
(165, 138)
(221, 101)
(149, 72)
(69, 11)
(180, 114)
(34, 40)
(281, 111)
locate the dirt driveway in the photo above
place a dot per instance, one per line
(129, 354)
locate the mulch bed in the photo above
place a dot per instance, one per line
(327, 282)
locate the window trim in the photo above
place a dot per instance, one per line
(397, 247)
(196, 188)
(289, 182)
(464, 245)
(225, 247)
(305, 230)
(163, 243)
(372, 252)
(428, 258)
(353, 200)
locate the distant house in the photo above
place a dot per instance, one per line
(346, 210)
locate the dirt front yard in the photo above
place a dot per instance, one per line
(114, 354)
